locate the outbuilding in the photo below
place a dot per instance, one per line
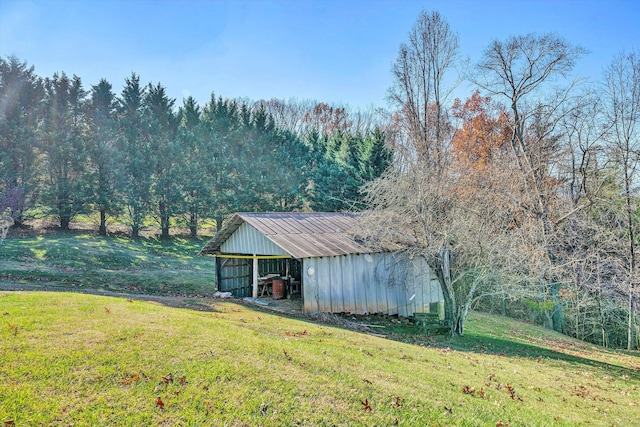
(320, 259)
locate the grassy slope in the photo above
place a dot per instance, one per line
(113, 264)
(68, 358)
(71, 358)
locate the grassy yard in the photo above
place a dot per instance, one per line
(68, 358)
(81, 261)
(75, 359)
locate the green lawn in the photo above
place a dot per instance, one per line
(80, 261)
(68, 358)
(86, 360)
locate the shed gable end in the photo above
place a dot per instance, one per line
(247, 240)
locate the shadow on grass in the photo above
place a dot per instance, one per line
(508, 348)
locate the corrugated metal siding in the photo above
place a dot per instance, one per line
(364, 284)
(247, 240)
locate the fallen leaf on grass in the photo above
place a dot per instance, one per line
(468, 390)
(14, 328)
(512, 392)
(106, 310)
(168, 379)
(366, 405)
(296, 334)
(133, 378)
(9, 423)
(367, 381)
(159, 402)
(448, 410)
(501, 424)
(183, 380)
(581, 391)
(398, 402)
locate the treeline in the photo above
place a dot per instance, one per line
(137, 156)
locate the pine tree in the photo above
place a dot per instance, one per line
(220, 131)
(162, 128)
(103, 152)
(137, 160)
(196, 182)
(21, 92)
(343, 164)
(64, 141)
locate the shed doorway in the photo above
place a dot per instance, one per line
(235, 275)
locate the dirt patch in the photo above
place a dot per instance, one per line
(340, 321)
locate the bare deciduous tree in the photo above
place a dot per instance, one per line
(622, 109)
(414, 206)
(517, 70)
(419, 90)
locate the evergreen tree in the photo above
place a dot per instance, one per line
(219, 130)
(167, 155)
(196, 182)
(291, 177)
(103, 152)
(137, 161)
(21, 92)
(375, 157)
(343, 163)
(64, 141)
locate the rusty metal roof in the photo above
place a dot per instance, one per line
(300, 234)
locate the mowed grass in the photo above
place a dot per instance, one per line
(86, 360)
(80, 261)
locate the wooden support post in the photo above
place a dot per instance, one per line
(255, 276)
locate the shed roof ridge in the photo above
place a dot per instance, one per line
(311, 233)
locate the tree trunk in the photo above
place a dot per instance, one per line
(193, 224)
(557, 315)
(18, 220)
(451, 312)
(164, 221)
(135, 223)
(64, 222)
(219, 219)
(632, 259)
(102, 231)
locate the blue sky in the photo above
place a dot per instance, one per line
(333, 51)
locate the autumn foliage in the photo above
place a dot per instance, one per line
(484, 133)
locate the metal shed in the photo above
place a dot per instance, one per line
(337, 273)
